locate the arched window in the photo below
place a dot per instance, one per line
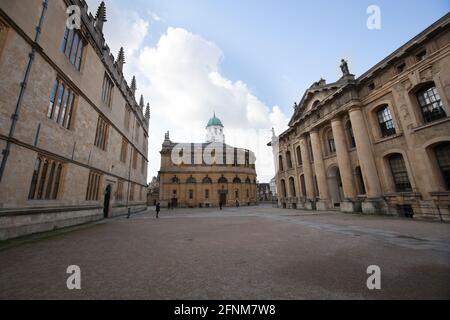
(292, 187)
(191, 180)
(430, 104)
(330, 142)
(283, 188)
(299, 156)
(280, 163)
(248, 181)
(223, 180)
(360, 181)
(399, 173)
(289, 159)
(442, 153)
(175, 179)
(385, 121)
(207, 180)
(237, 180)
(350, 135)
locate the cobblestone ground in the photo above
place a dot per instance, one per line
(246, 253)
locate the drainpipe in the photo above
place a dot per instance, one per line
(23, 86)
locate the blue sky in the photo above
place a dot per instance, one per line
(262, 55)
(280, 47)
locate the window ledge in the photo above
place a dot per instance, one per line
(395, 136)
(402, 194)
(431, 124)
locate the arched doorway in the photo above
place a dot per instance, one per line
(107, 201)
(335, 186)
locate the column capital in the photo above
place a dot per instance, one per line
(337, 118)
(355, 108)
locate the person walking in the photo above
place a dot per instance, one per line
(220, 205)
(237, 203)
(158, 209)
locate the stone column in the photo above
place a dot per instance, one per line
(321, 175)
(307, 171)
(345, 167)
(366, 162)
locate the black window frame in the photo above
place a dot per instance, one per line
(430, 104)
(385, 121)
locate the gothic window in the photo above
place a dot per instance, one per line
(127, 118)
(73, 47)
(101, 135)
(142, 165)
(443, 158)
(350, 134)
(399, 173)
(237, 180)
(93, 187)
(46, 178)
(135, 158)
(431, 104)
(385, 121)
(107, 89)
(119, 192)
(124, 150)
(132, 192)
(62, 103)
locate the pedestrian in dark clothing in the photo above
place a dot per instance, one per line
(237, 203)
(158, 209)
(220, 205)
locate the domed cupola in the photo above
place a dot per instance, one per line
(214, 130)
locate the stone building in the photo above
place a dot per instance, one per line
(264, 193)
(73, 138)
(379, 143)
(206, 174)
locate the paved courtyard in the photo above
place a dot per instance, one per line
(246, 253)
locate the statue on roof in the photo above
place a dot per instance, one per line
(344, 67)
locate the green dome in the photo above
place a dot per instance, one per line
(214, 121)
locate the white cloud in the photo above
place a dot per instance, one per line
(181, 77)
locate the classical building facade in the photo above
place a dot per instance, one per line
(379, 143)
(73, 138)
(206, 174)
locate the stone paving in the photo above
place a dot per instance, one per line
(246, 253)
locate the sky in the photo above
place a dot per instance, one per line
(247, 60)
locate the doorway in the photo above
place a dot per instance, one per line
(107, 201)
(335, 186)
(223, 198)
